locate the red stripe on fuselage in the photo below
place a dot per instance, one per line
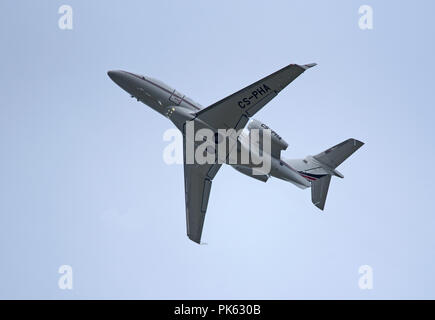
(308, 177)
(164, 89)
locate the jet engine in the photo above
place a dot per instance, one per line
(277, 143)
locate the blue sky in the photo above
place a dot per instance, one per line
(83, 182)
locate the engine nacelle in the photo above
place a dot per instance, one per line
(277, 143)
(250, 173)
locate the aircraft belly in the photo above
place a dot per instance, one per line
(282, 171)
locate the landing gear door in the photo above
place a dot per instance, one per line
(176, 98)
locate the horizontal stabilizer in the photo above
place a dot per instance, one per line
(335, 156)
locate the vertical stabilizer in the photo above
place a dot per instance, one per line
(328, 161)
(319, 191)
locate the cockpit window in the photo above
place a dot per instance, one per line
(160, 84)
(136, 75)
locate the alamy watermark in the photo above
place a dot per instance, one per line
(365, 281)
(65, 21)
(65, 281)
(365, 21)
(207, 146)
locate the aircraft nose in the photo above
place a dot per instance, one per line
(121, 78)
(115, 75)
(125, 80)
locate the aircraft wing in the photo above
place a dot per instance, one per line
(233, 112)
(197, 186)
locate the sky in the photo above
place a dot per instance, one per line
(82, 177)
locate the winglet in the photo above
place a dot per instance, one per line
(310, 65)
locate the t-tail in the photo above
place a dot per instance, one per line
(318, 169)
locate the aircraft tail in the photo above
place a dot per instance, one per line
(319, 191)
(335, 156)
(329, 160)
(318, 169)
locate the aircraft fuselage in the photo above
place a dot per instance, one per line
(179, 109)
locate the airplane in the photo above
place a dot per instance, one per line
(236, 112)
